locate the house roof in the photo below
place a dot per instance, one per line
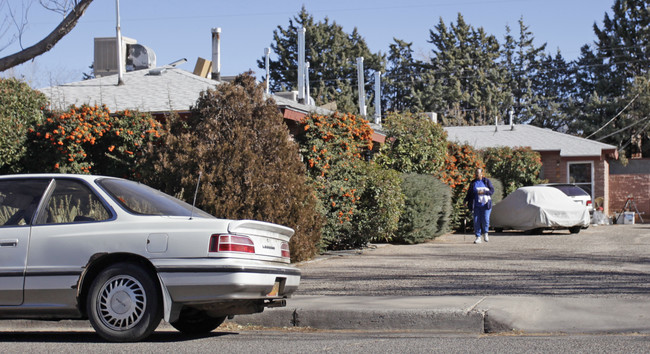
(173, 90)
(538, 139)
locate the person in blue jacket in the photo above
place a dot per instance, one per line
(479, 201)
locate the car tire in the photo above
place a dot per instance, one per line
(124, 303)
(575, 229)
(195, 322)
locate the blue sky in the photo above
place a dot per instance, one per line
(181, 29)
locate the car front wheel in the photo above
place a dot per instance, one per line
(124, 303)
(195, 322)
(575, 229)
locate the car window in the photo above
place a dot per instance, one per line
(19, 200)
(73, 202)
(571, 191)
(138, 198)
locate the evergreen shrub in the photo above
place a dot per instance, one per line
(250, 167)
(20, 108)
(427, 209)
(380, 206)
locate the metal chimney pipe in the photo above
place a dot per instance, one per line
(307, 95)
(301, 64)
(378, 97)
(120, 61)
(361, 83)
(216, 54)
(267, 53)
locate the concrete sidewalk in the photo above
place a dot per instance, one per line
(460, 314)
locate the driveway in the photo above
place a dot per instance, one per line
(604, 261)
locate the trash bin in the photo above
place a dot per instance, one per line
(628, 217)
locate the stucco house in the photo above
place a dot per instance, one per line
(565, 158)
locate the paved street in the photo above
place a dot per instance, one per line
(604, 261)
(322, 342)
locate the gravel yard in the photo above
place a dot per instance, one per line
(602, 261)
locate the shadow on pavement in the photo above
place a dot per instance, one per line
(92, 337)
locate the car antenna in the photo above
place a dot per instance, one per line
(195, 193)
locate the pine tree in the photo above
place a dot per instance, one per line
(403, 77)
(607, 76)
(522, 60)
(554, 86)
(331, 53)
(465, 68)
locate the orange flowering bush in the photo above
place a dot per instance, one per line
(333, 149)
(89, 139)
(461, 161)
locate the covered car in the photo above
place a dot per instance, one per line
(538, 208)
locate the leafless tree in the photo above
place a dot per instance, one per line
(16, 17)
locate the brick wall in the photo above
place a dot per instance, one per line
(623, 185)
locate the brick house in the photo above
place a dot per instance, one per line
(565, 158)
(630, 181)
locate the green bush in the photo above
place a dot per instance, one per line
(20, 108)
(515, 168)
(250, 167)
(427, 209)
(380, 206)
(414, 144)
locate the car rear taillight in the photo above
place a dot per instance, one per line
(231, 243)
(285, 250)
(588, 202)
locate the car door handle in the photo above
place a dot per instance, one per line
(8, 243)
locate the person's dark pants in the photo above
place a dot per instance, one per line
(481, 220)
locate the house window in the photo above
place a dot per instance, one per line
(582, 175)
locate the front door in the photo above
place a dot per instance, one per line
(19, 200)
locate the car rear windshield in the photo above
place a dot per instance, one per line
(571, 191)
(138, 198)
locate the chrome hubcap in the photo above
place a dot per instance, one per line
(121, 302)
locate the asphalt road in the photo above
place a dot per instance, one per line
(323, 342)
(603, 261)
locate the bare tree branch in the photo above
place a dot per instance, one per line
(60, 6)
(48, 42)
(22, 23)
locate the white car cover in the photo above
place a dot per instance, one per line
(538, 207)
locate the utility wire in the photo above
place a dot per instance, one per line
(616, 116)
(623, 129)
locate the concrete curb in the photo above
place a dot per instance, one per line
(449, 314)
(460, 314)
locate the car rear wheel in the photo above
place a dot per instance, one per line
(195, 322)
(536, 231)
(575, 229)
(124, 304)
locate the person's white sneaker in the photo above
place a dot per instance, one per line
(478, 239)
(485, 237)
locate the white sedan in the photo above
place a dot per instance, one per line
(125, 256)
(538, 208)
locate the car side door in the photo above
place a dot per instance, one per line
(19, 201)
(64, 236)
